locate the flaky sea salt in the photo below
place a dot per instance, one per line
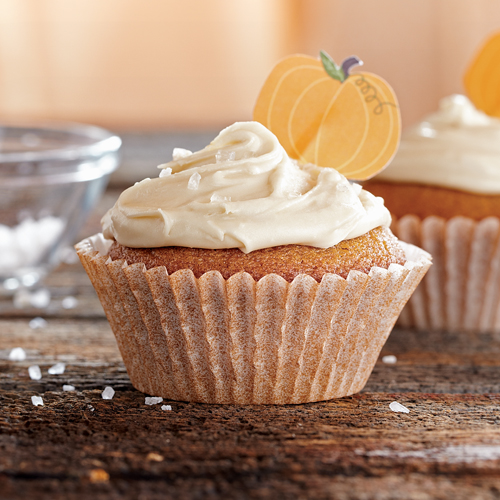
(37, 322)
(223, 155)
(69, 302)
(26, 243)
(194, 181)
(166, 408)
(35, 372)
(67, 387)
(108, 393)
(57, 369)
(153, 400)
(25, 298)
(165, 172)
(398, 407)
(179, 153)
(218, 197)
(36, 400)
(389, 360)
(17, 354)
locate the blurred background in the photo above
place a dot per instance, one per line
(150, 66)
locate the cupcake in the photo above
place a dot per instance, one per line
(241, 276)
(443, 190)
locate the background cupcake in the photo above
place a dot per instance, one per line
(443, 188)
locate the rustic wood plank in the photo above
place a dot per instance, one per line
(448, 443)
(79, 446)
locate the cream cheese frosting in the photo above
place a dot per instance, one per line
(242, 191)
(457, 147)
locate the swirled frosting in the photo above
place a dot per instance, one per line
(242, 191)
(457, 147)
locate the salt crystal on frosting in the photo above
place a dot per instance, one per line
(179, 153)
(35, 372)
(398, 407)
(153, 400)
(222, 155)
(108, 393)
(36, 400)
(218, 197)
(166, 172)
(194, 181)
(390, 359)
(17, 354)
(67, 387)
(57, 369)
(166, 408)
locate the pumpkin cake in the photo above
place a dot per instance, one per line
(377, 248)
(241, 276)
(426, 201)
(443, 190)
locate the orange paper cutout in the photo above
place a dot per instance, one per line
(353, 126)
(482, 79)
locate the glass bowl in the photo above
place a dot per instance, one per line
(51, 176)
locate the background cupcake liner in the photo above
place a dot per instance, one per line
(239, 341)
(462, 289)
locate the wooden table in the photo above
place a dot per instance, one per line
(78, 445)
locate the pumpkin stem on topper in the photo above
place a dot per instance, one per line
(340, 73)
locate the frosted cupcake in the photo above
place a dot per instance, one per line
(240, 276)
(443, 189)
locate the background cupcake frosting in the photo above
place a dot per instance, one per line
(456, 147)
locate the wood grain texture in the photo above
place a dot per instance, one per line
(79, 446)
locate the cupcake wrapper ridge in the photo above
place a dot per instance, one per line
(239, 341)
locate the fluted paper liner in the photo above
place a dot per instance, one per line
(245, 342)
(461, 291)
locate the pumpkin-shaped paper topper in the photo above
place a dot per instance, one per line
(322, 114)
(482, 78)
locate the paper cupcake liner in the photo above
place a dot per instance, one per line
(245, 342)
(461, 291)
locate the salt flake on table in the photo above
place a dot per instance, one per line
(57, 369)
(36, 400)
(69, 302)
(398, 407)
(389, 360)
(35, 372)
(166, 408)
(153, 400)
(194, 181)
(108, 393)
(17, 354)
(37, 322)
(38, 298)
(67, 387)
